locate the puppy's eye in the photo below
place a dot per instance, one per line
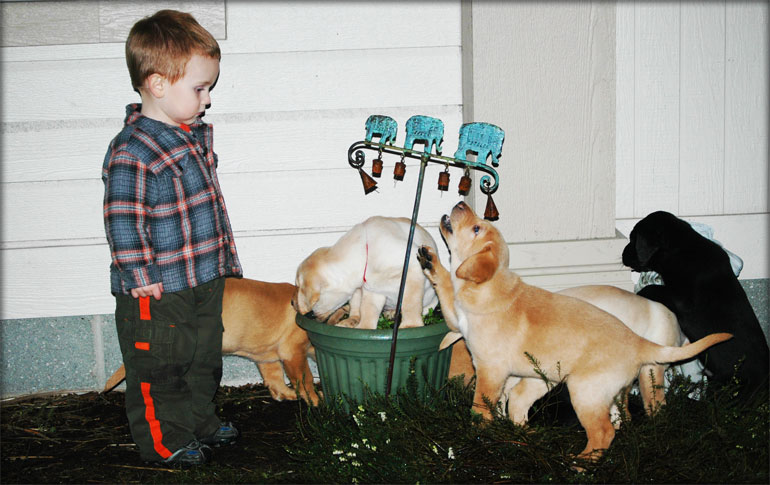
(476, 229)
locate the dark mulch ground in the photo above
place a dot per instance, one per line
(405, 439)
(85, 439)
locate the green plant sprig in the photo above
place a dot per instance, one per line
(433, 316)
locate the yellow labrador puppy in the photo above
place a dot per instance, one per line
(364, 268)
(515, 329)
(260, 324)
(646, 318)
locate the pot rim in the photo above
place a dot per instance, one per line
(314, 326)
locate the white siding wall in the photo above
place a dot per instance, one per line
(688, 124)
(546, 72)
(692, 119)
(298, 80)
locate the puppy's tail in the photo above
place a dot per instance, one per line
(115, 379)
(665, 355)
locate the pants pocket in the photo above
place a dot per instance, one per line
(153, 347)
(147, 343)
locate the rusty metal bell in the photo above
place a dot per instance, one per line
(376, 168)
(465, 184)
(443, 181)
(491, 213)
(399, 170)
(369, 183)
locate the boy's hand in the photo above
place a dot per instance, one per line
(155, 290)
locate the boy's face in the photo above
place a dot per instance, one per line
(187, 98)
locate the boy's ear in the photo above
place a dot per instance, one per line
(480, 267)
(156, 84)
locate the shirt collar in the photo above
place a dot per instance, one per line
(153, 127)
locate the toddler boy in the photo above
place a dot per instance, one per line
(171, 242)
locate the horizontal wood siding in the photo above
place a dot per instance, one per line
(297, 84)
(88, 22)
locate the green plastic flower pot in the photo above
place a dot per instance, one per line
(351, 360)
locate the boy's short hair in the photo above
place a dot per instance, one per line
(163, 43)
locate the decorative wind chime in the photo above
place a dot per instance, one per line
(483, 139)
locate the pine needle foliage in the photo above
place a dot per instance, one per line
(405, 439)
(438, 439)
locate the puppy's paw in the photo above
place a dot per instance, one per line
(412, 323)
(425, 257)
(483, 413)
(312, 398)
(338, 315)
(348, 322)
(428, 261)
(389, 314)
(582, 463)
(282, 393)
(478, 419)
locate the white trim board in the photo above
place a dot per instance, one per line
(555, 265)
(746, 235)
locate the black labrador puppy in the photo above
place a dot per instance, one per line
(704, 293)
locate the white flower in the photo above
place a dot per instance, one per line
(355, 445)
(451, 453)
(383, 416)
(355, 418)
(435, 450)
(337, 452)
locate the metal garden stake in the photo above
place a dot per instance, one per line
(483, 139)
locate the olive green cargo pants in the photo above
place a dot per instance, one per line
(172, 351)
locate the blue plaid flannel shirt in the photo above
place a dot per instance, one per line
(164, 213)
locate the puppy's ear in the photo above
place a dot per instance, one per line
(304, 301)
(480, 267)
(295, 299)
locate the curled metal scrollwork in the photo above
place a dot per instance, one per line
(356, 157)
(488, 183)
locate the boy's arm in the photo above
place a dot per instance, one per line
(126, 191)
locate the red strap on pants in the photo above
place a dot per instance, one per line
(149, 414)
(144, 308)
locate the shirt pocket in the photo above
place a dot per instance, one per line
(182, 180)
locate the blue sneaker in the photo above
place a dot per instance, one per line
(193, 453)
(225, 435)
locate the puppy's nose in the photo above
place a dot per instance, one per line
(446, 223)
(310, 314)
(627, 257)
